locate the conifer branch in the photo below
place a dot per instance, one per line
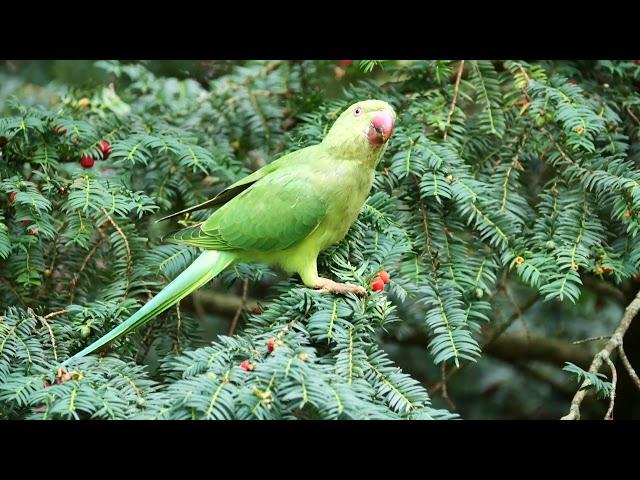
(603, 355)
(455, 98)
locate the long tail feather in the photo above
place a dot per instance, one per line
(203, 269)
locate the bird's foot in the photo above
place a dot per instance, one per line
(327, 285)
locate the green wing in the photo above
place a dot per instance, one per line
(274, 213)
(233, 190)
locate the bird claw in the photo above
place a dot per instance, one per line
(330, 286)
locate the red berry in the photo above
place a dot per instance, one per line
(257, 310)
(12, 196)
(271, 345)
(247, 366)
(25, 222)
(377, 285)
(87, 161)
(4, 140)
(105, 148)
(345, 63)
(384, 276)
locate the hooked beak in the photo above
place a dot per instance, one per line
(381, 127)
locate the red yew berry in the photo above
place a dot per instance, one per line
(377, 285)
(87, 161)
(247, 366)
(257, 310)
(12, 196)
(105, 148)
(25, 222)
(271, 345)
(345, 63)
(384, 276)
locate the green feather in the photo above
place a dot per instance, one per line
(284, 214)
(203, 269)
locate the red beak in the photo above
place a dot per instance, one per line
(381, 127)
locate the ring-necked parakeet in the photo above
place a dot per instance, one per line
(284, 214)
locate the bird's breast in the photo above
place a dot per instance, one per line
(348, 190)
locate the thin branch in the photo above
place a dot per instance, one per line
(76, 276)
(627, 365)
(496, 334)
(455, 98)
(445, 393)
(524, 90)
(55, 314)
(243, 304)
(53, 339)
(126, 244)
(507, 292)
(592, 339)
(612, 395)
(614, 342)
(502, 328)
(633, 115)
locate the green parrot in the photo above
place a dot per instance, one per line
(284, 214)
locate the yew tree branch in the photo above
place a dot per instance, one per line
(603, 356)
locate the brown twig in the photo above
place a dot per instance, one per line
(76, 276)
(633, 115)
(445, 393)
(524, 90)
(126, 244)
(455, 98)
(53, 339)
(507, 292)
(496, 334)
(592, 339)
(55, 314)
(612, 395)
(614, 342)
(243, 304)
(627, 365)
(503, 328)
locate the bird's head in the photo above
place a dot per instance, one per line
(362, 131)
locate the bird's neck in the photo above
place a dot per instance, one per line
(361, 153)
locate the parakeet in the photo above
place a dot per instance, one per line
(284, 214)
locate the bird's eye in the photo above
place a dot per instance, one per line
(357, 112)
